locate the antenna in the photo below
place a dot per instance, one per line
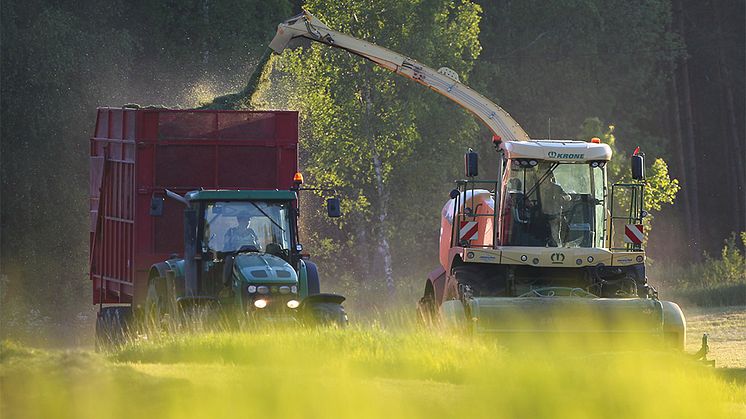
(549, 135)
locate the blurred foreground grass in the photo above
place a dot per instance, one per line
(363, 372)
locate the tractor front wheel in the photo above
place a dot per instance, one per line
(328, 314)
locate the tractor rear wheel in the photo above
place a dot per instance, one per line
(160, 304)
(312, 275)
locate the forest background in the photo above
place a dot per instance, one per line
(667, 75)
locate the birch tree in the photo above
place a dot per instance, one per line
(361, 124)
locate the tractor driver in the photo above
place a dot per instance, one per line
(552, 201)
(241, 235)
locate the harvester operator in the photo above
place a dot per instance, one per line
(241, 235)
(552, 200)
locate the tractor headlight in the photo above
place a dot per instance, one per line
(284, 289)
(260, 303)
(294, 289)
(262, 289)
(251, 289)
(293, 304)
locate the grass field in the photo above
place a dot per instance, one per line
(727, 330)
(368, 371)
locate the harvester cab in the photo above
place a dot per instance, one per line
(241, 251)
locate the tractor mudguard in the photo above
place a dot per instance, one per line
(322, 298)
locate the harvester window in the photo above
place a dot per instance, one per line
(552, 204)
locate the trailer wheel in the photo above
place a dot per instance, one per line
(112, 326)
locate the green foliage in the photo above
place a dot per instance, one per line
(660, 188)
(712, 282)
(386, 143)
(568, 59)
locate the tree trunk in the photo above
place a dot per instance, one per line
(678, 148)
(730, 127)
(691, 190)
(384, 248)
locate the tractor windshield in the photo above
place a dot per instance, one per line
(230, 225)
(553, 204)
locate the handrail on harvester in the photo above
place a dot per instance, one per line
(444, 81)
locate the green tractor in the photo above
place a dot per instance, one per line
(241, 256)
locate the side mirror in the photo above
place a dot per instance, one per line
(638, 167)
(471, 163)
(333, 208)
(156, 206)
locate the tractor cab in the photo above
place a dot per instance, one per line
(243, 249)
(248, 225)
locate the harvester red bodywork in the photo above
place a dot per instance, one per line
(136, 154)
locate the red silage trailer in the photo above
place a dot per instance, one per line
(136, 154)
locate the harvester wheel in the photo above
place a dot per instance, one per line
(112, 326)
(468, 277)
(427, 312)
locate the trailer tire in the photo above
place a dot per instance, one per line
(113, 326)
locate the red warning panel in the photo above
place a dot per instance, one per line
(468, 230)
(633, 233)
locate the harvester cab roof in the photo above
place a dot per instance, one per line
(570, 151)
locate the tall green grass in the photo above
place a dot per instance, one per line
(378, 370)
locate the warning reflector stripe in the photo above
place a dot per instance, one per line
(633, 233)
(469, 230)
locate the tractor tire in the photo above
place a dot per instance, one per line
(327, 314)
(160, 304)
(113, 326)
(312, 275)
